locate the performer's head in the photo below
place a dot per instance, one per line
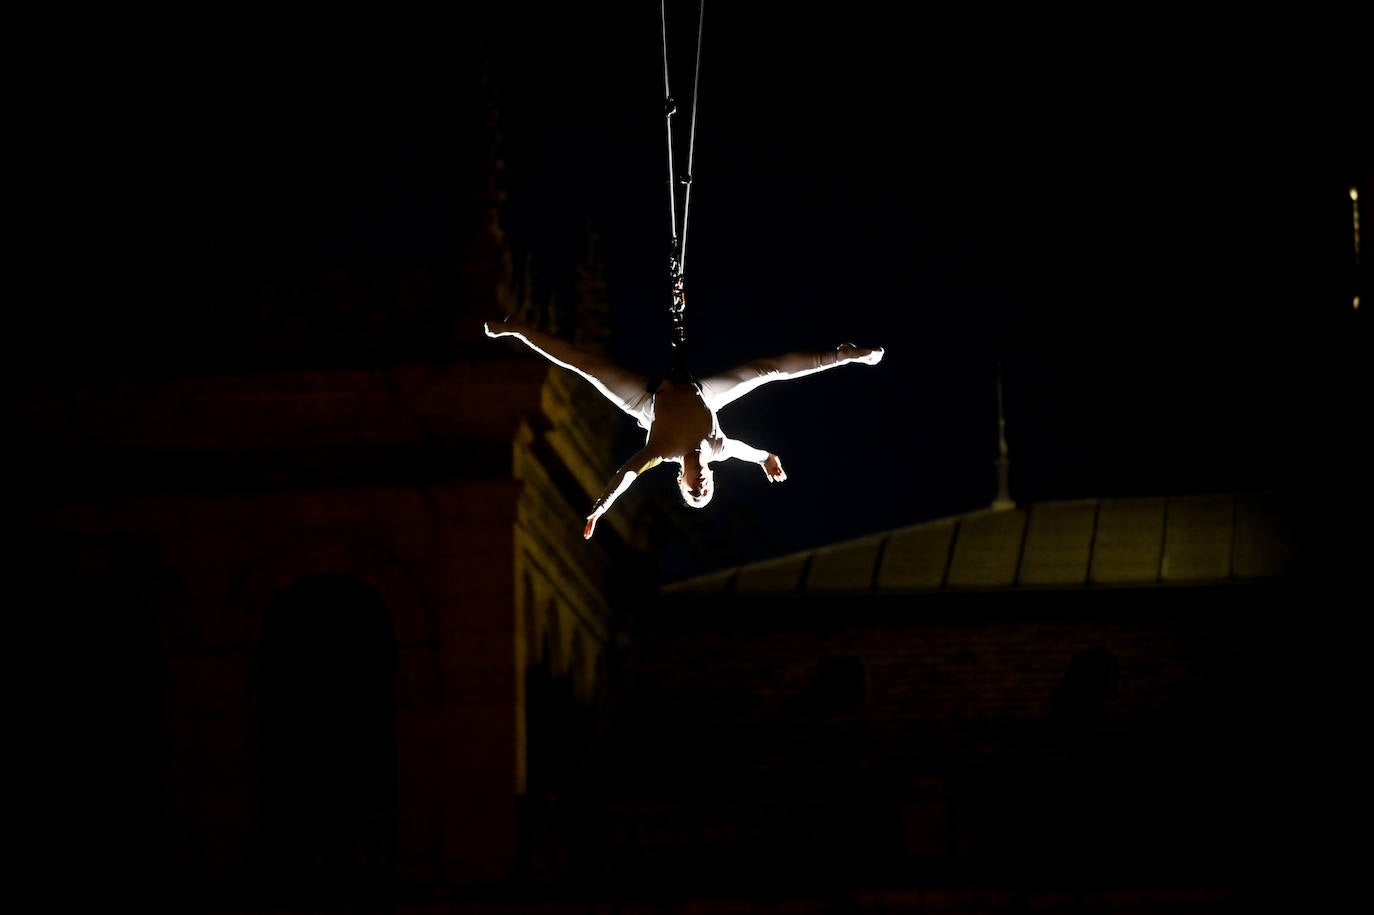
(696, 481)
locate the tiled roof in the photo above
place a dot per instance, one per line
(1144, 541)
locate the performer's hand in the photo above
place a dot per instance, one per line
(772, 468)
(591, 525)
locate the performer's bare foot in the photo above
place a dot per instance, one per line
(852, 353)
(507, 327)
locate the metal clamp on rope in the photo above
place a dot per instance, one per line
(669, 107)
(679, 294)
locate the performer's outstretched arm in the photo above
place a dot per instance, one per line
(771, 464)
(727, 387)
(628, 472)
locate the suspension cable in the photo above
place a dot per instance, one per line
(678, 251)
(669, 109)
(691, 141)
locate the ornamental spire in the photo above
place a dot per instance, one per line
(1003, 500)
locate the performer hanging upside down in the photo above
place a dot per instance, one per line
(680, 415)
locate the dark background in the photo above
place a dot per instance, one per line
(1144, 219)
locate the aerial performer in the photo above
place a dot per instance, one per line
(679, 413)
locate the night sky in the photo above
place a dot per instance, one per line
(1145, 221)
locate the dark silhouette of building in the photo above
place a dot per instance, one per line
(313, 540)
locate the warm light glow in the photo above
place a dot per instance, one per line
(1357, 303)
(1354, 194)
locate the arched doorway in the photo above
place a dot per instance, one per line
(328, 738)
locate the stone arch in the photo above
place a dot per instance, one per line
(259, 581)
(327, 735)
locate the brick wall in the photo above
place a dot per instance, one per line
(1138, 730)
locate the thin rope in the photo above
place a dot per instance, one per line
(678, 252)
(669, 109)
(692, 139)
